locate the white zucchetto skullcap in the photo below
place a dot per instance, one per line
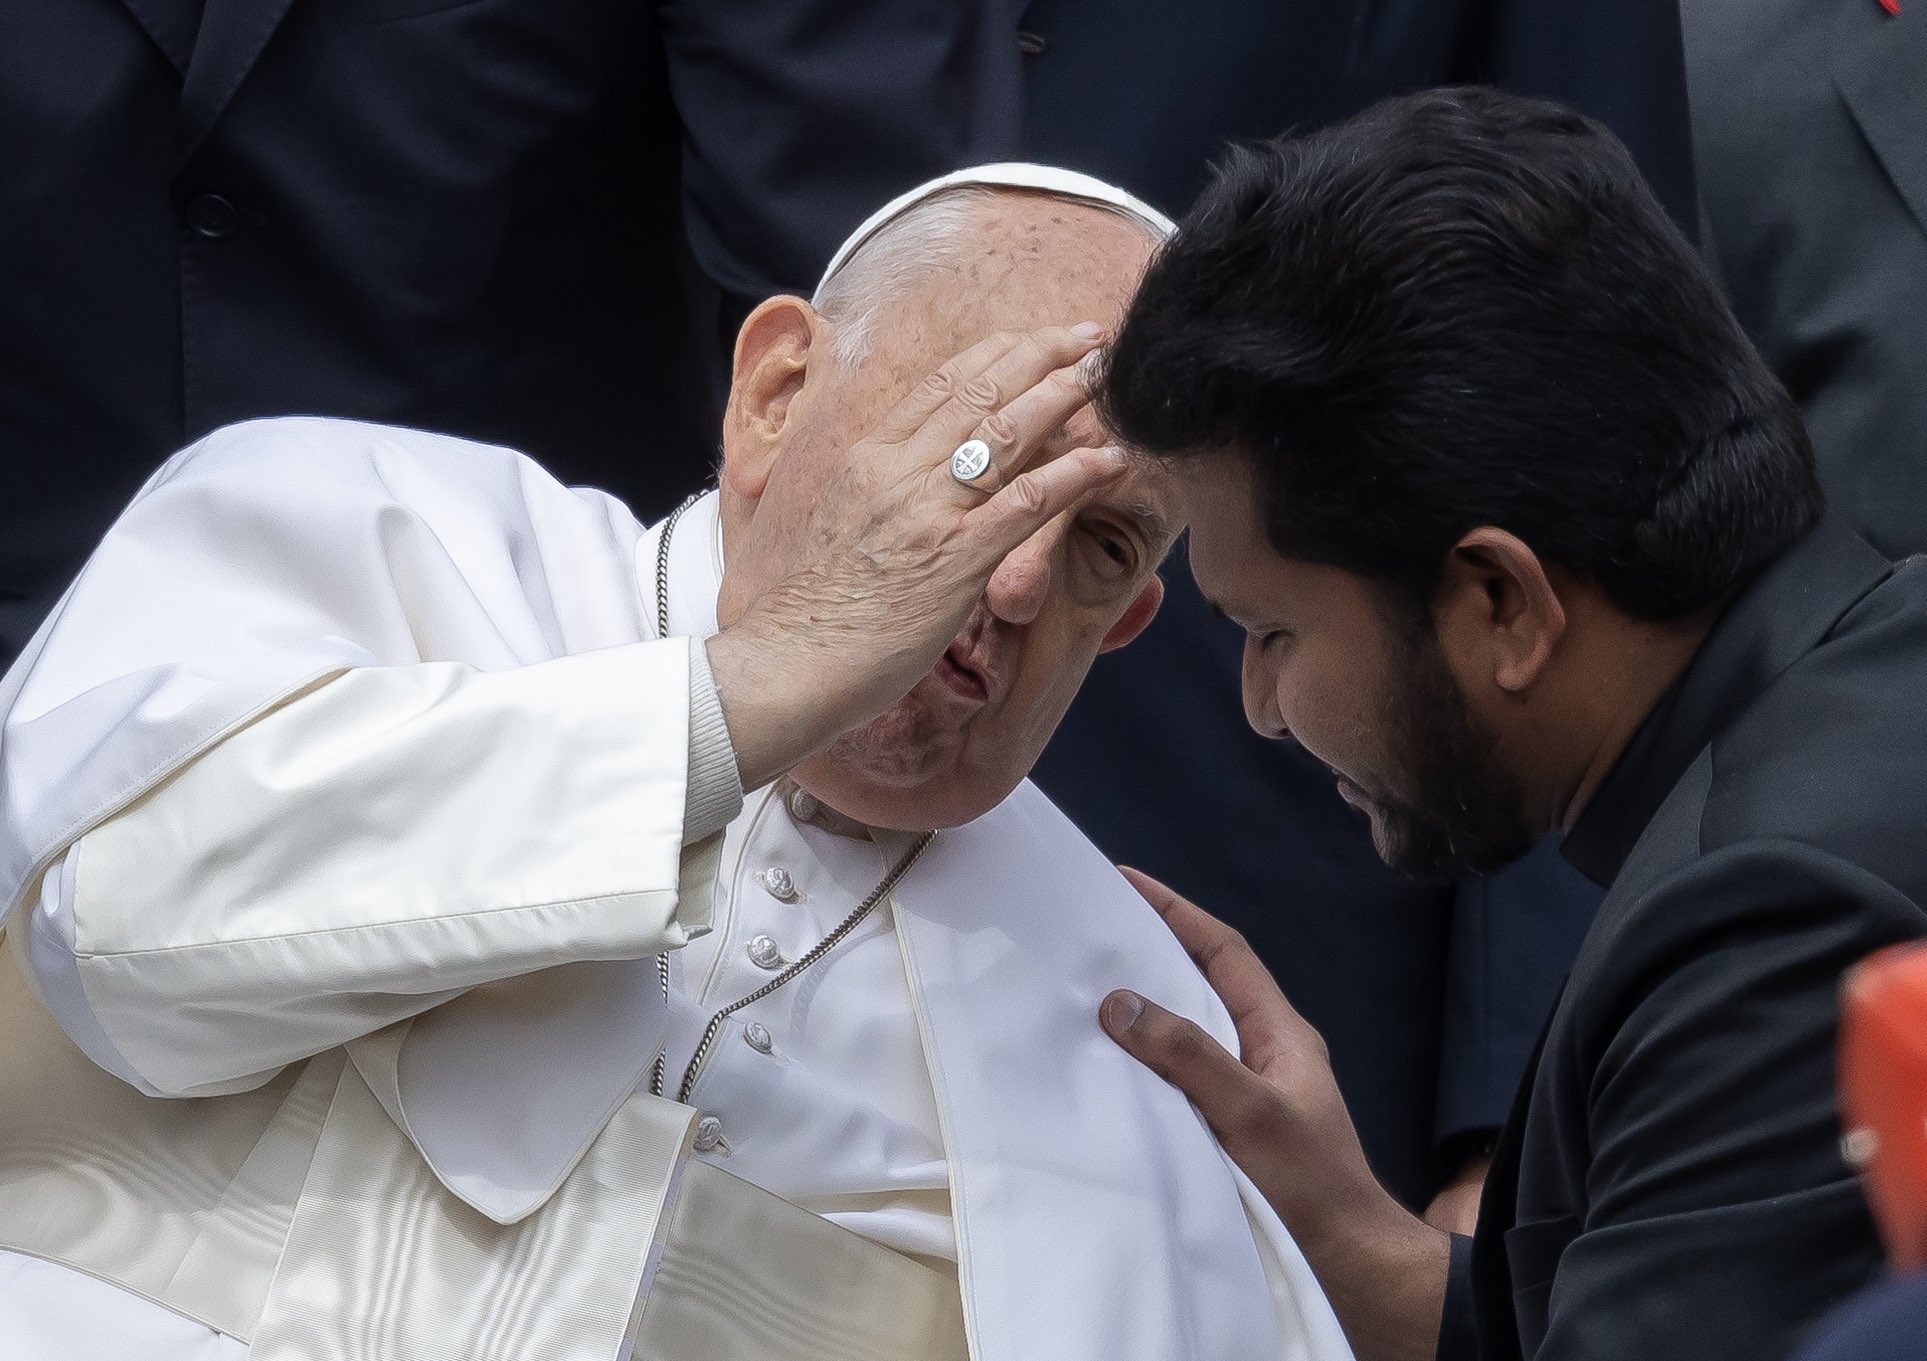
(1045, 179)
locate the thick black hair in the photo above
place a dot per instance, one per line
(1465, 308)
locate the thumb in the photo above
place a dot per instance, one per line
(1184, 1055)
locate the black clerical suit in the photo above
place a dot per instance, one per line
(1670, 1184)
(1155, 760)
(467, 215)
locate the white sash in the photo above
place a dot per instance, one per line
(299, 1219)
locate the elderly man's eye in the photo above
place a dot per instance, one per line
(1115, 553)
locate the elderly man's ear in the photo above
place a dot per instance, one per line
(1137, 617)
(774, 350)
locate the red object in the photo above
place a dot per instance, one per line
(1883, 1093)
(1891, 6)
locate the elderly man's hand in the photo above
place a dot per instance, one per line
(1279, 1115)
(900, 550)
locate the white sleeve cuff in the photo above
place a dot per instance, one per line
(713, 795)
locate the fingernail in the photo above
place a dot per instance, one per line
(1122, 1008)
(1087, 330)
(1114, 458)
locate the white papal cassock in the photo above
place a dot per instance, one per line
(348, 797)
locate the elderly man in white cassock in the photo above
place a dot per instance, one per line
(396, 966)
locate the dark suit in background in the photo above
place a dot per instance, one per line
(1155, 760)
(1671, 1183)
(1885, 1325)
(466, 215)
(1810, 121)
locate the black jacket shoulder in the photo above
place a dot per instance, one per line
(1674, 1185)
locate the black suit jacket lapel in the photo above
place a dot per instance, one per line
(1880, 83)
(233, 32)
(172, 25)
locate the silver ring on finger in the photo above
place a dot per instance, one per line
(973, 466)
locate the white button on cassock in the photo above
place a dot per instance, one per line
(709, 1133)
(757, 1037)
(779, 883)
(765, 953)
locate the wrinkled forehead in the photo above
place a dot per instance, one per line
(1036, 261)
(1028, 261)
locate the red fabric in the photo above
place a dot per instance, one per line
(1883, 1093)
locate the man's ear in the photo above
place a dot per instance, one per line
(1498, 614)
(774, 350)
(1137, 617)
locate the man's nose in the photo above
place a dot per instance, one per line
(1022, 581)
(1261, 694)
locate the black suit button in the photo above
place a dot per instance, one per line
(212, 216)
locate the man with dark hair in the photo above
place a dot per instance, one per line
(1525, 536)
(1428, 1032)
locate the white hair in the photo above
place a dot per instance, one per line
(928, 238)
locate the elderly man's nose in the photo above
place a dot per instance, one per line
(1022, 580)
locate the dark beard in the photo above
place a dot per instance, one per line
(1457, 812)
